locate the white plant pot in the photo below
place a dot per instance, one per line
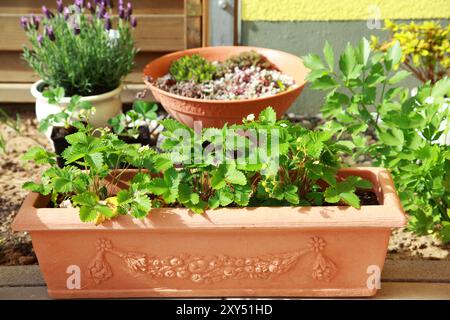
(107, 105)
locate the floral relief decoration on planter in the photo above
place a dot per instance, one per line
(210, 269)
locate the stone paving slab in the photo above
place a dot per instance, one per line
(401, 279)
(21, 276)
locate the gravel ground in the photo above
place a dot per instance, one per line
(16, 248)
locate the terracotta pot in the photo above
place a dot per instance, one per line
(215, 113)
(278, 251)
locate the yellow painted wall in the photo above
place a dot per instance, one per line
(318, 10)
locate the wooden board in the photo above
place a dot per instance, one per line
(163, 26)
(26, 282)
(139, 6)
(154, 33)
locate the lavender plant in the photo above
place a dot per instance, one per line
(79, 47)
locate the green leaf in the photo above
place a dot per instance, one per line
(399, 76)
(350, 198)
(242, 195)
(104, 210)
(393, 55)
(347, 60)
(329, 55)
(363, 52)
(218, 177)
(214, 201)
(392, 137)
(226, 196)
(87, 214)
(324, 83)
(441, 88)
(313, 62)
(40, 156)
(158, 186)
(235, 176)
(291, 194)
(268, 115)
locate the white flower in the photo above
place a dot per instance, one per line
(113, 34)
(429, 100)
(66, 204)
(413, 92)
(283, 125)
(251, 117)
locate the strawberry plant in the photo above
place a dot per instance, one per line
(261, 162)
(364, 98)
(75, 110)
(127, 124)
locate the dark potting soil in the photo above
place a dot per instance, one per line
(144, 137)
(367, 197)
(58, 137)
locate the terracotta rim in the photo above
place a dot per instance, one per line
(175, 96)
(96, 97)
(34, 216)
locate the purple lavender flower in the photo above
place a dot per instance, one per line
(47, 12)
(40, 38)
(24, 23)
(34, 21)
(66, 13)
(59, 6)
(101, 10)
(133, 22)
(49, 32)
(121, 12)
(120, 3)
(79, 3)
(129, 10)
(108, 24)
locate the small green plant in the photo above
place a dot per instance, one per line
(299, 167)
(75, 110)
(78, 49)
(364, 98)
(92, 185)
(127, 124)
(192, 68)
(10, 122)
(425, 47)
(248, 59)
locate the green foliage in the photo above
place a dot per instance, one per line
(79, 51)
(296, 167)
(192, 68)
(10, 122)
(244, 60)
(364, 99)
(76, 110)
(127, 124)
(104, 158)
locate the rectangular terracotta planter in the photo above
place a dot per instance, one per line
(277, 251)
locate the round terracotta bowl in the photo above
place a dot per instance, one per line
(215, 113)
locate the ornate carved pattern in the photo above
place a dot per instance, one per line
(209, 269)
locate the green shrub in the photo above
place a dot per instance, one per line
(363, 98)
(75, 47)
(194, 67)
(300, 170)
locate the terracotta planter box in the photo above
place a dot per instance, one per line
(215, 113)
(277, 251)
